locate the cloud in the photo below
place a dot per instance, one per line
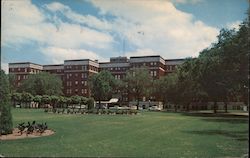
(158, 26)
(186, 1)
(89, 20)
(24, 23)
(234, 25)
(141, 52)
(147, 27)
(57, 55)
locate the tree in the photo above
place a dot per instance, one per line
(45, 99)
(102, 85)
(90, 103)
(38, 100)
(62, 101)
(138, 81)
(16, 97)
(75, 100)
(26, 98)
(83, 101)
(42, 84)
(5, 110)
(188, 85)
(54, 101)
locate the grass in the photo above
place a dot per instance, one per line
(149, 134)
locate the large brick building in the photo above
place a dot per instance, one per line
(75, 73)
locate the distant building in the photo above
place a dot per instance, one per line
(75, 73)
(22, 70)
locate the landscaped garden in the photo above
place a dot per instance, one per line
(147, 134)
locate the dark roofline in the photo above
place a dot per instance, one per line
(146, 56)
(54, 65)
(24, 63)
(104, 62)
(80, 60)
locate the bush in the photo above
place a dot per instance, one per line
(46, 110)
(5, 113)
(90, 103)
(5, 119)
(54, 110)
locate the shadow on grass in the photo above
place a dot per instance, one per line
(224, 115)
(237, 135)
(228, 120)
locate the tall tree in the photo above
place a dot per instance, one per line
(138, 81)
(5, 110)
(42, 84)
(102, 85)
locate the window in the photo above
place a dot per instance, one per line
(152, 73)
(25, 69)
(155, 73)
(76, 82)
(84, 75)
(18, 77)
(111, 68)
(82, 91)
(19, 69)
(70, 74)
(76, 75)
(84, 67)
(85, 91)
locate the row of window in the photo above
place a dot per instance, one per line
(19, 77)
(69, 83)
(83, 75)
(116, 68)
(82, 67)
(118, 77)
(153, 73)
(171, 67)
(70, 91)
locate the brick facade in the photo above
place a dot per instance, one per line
(75, 73)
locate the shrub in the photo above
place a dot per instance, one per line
(5, 119)
(90, 103)
(5, 113)
(54, 110)
(46, 110)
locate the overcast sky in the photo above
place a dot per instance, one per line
(48, 32)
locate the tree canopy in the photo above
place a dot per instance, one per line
(42, 84)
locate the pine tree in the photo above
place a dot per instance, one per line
(5, 111)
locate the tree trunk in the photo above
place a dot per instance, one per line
(188, 106)
(175, 107)
(99, 106)
(225, 104)
(14, 104)
(137, 104)
(215, 106)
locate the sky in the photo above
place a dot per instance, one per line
(51, 31)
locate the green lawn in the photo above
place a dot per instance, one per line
(149, 134)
